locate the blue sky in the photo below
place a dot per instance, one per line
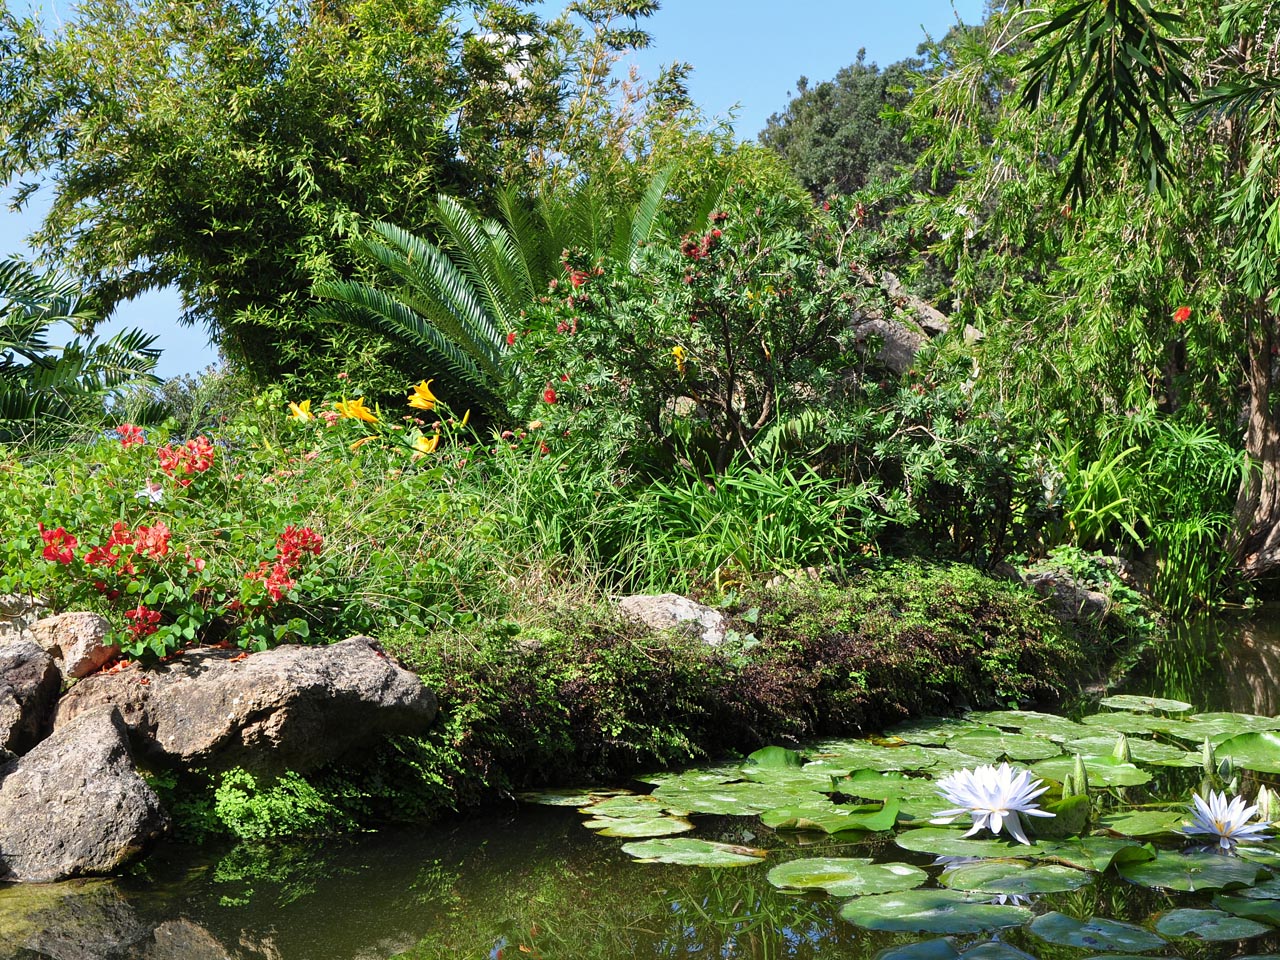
(746, 54)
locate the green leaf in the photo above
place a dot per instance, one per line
(1014, 877)
(1208, 925)
(1145, 704)
(630, 827)
(1192, 871)
(932, 911)
(1143, 823)
(846, 877)
(1106, 770)
(690, 852)
(1259, 752)
(953, 843)
(1094, 934)
(832, 818)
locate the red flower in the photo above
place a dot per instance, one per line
(130, 435)
(511, 339)
(195, 456)
(294, 542)
(59, 546)
(549, 394)
(1182, 315)
(153, 540)
(144, 621)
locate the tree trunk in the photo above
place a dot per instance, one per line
(1256, 541)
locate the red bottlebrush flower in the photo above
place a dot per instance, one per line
(562, 327)
(549, 394)
(153, 540)
(59, 546)
(511, 339)
(1182, 315)
(130, 436)
(564, 378)
(577, 278)
(826, 205)
(717, 234)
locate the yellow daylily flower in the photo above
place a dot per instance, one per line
(422, 398)
(427, 444)
(466, 416)
(355, 410)
(301, 411)
(362, 441)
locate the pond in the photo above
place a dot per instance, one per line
(534, 882)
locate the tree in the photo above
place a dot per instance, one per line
(230, 146)
(839, 135)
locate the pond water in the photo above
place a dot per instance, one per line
(532, 882)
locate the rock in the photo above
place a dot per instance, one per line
(670, 610)
(80, 920)
(78, 640)
(29, 684)
(1070, 599)
(291, 708)
(183, 940)
(75, 806)
(18, 611)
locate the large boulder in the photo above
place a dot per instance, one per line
(75, 805)
(291, 708)
(18, 611)
(29, 685)
(1071, 599)
(670, 611)
(80, 641)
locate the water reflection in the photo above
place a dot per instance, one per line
(1216, 663)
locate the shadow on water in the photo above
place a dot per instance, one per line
(1217, 663)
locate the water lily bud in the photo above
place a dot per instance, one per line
(1226, 769)
(1121, 751)
(1234, 785)
(1081, 777)
(1068, 786)
(1206, 757)
(1265, 801)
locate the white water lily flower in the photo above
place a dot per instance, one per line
(994, 797)
(1228, 821)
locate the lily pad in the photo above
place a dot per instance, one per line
(953, 843)
(569, 798)
(1208, 925)
(1070, 817)
(1143, 823)
(934, 731)
(1141, 749)
(940, 948)
(1259, 751)
(712, 773)
(691, 852)
(872, 785)
(745, 798)
(831, 817)
(1267, 890)
(632, 827)
(1029, 721)
(1145, 704)
(1014, 878)
(1094, 934)
(1122, 721)
(1093, 853)
(995, 950)
(633, 805)
(932, 911)
(1170, 870)
(865, 755)
(1263, 911)
(775, 757)
(1106, 770)
(846, 877)
(996, 744)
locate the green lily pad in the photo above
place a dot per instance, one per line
(932, 911)
(632, 827)
(775, 757)
(1070, 817)
(1267, 890)
(745, 798)
(953, 843)
(846, 877)
(996, 744)
(1143, 823)
(1121, 721)
(1014, 878)
(1145, 704)
(940, 948)
(1029, 721)
(865, 755)
(995, 950)
(1094, 934)
(1208, 925)
(1264, 854)
(1170, 870)
(1106, 770)
(1093, 853)
(701, 777)
(1236, 904)
(830, 817)
(633, 805)
(691, 852)
(871, 785)
(569, 798)
(1141, 749)
(934, 731)
(1259, 751)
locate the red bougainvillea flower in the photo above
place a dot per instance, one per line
(153, 540)
(278, 581)
(59, 546)
(144, 622)
(1182, 315)
(294, 542)
(549, 394)
(195, 456)
(130, 436)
